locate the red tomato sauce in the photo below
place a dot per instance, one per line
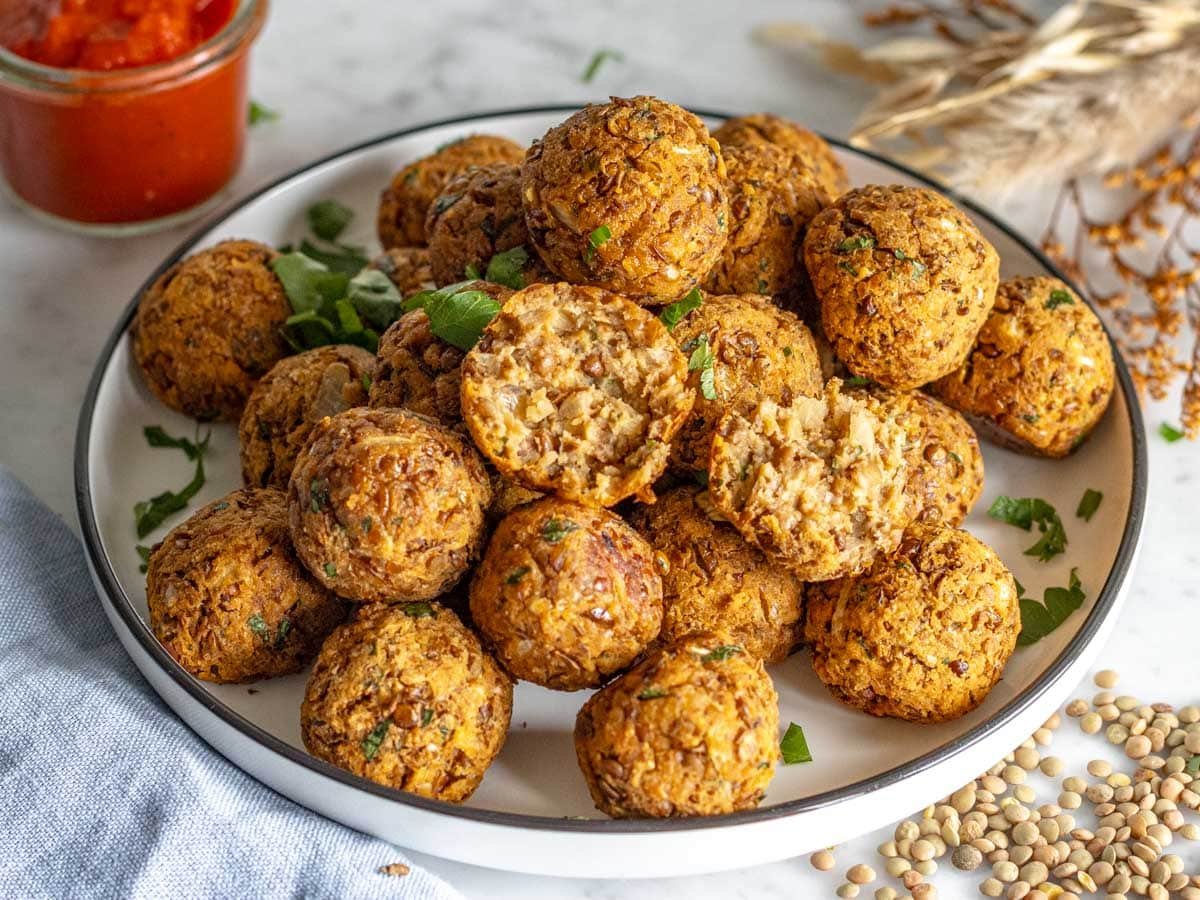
(102, 35)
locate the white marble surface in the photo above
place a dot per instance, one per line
(343, 72)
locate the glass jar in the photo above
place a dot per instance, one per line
(128, 150)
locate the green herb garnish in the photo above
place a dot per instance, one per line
(329, 218)
(918, 267)
(1170, 433)
(330, 570)
(508, 268)
(419, 610)
(318, 494)
(702, 361)
(331, 307)
(1088, 504)
(366, 382)
(372, 742)
(149, 514)
(597, 60)
(426, 716)
(673, 314)
(857, 381)
(556, 529)
(652, 693)
(1026, 512)
(847, 268)
(285, 627)
(346, 259)
(1039, 619)
(460, 318)
(1058, 298)
(257, 113)
(516, 574)
(860, 242)
(157, 437)
(471, 272)
(259, 626)
(597, 239)
(143, 552)
(794, 746)
(720, 654)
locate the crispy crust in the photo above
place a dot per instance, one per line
(810, 148)
(387, 505)
(905, 281)
(646, 170)
(714, 580)
(209, 328)
(567, 595)
(405, 202)
(819, 486)
(290, 399)
(679, 736)
(446, 703)
(577, 391)
(407, 267)
(924, 634)
(228, 598)
(1039, 378)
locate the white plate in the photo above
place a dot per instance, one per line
(525, 816)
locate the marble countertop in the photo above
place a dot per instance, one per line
(344, 72)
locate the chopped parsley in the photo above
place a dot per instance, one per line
(1088, 504)
(1024, 513)
(157, 437)
(318, 494)
(720, 654)
(787, 350)
(598, 238)
(281, 633)
(143, 552)
(372, 742)
(1039, 619)
(149, 514)
(329, 218)
(457, 314)
(366, 382)
(556, 529)
(419, 610)
(516, 574)
(257, 113)
(508, 268)
(1059, 298)
(652, 693)
(347, 259)
(673, 314)
(857, 381)
(1170, 433)
(426, 716)
(794, 746)
(918, 267)
(598, 59)
(330, 570)
(258, 625)
(702, 361)
(859, 242)
(847, 268)
(331, 307)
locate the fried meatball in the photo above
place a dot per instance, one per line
(405, 695)
(811, 149)
(772, 198)
(566, 595)
(228, 598)
(294, 396)
(628, 195)
(1041, 373)
(408, 268)
(417, 370)
(692, 730)
(905, 281)
(476, 216)
(210, 327)
(758, 351)
(576, 390)
(819, 486)
(714, 580)
(387, 505)
(923, 634)
(403, 205)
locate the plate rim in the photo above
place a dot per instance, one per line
(137, 627)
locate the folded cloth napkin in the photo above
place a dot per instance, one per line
(104, 792)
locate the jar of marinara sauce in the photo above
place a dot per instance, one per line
(123, 116)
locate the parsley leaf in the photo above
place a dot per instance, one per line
(258, 625)
(143, 552)
(1059, 298)
(652, 693)
(330, 570)
(149, 514)
(1039, 619)
(329, 218)
(702, 360)
(460, 318)
(257, 113)
(597, 239)
(859, 242)
(1024, 513)
(720, 654)
(331, 307)
(419, 610)
(372, 742)
(1088, 504)
(556, 529)
(343, 258)
(673, 314)
(1170, 433)
(597, 60)
(794, 746)
(516, 574)
(157, 437)
(508, 268)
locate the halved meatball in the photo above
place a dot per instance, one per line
(576, 390)
(810, 148)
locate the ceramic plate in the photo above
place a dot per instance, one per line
(532, 812)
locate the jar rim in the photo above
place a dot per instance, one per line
(245, 23)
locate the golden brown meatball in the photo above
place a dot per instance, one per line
(405, 695)
(905, 281)
(628, 195)
(772, 198)
(810, 148)
(576, 390)
(923, 634)
(387, 505)
(1041, 374)
(294, 396)
(692, 730)
(210, 327)
(758, 351)
(229, 600)
(476, 216)
(419, 371)
(819, 486)
(567, 595)
(717, 581)
(406, 267)
(402, 207)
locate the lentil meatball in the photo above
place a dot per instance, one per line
(284, 406)
(387, 505)
(1041, 373)
(405, 695)
(405, 202)
(628, 195)
(477, 216)
(820, 486)
(772, 198)
(809, 148)
(692, 730)
(408, 268)
(228, 598)
(566, 594)
(417, 370)
(923, 634)
(905, 281)
(576, 390)
(758, 351)
(209, 328)
(714, 580)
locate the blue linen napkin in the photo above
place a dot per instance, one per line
(104, 792)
